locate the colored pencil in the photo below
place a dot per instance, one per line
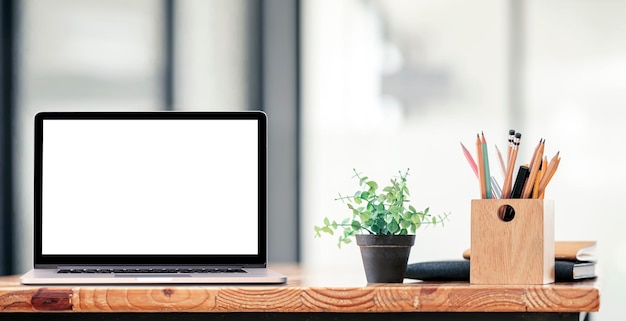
(470, 159)
(481, 168)
(501, 161)
(487, 172)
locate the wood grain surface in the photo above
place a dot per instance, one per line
(519, 251)
(302, 295)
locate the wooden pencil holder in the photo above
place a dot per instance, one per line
(512, 241)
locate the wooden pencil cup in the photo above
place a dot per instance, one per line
(512, 241)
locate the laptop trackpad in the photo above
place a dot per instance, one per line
(151, 276)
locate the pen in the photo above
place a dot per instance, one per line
(520, 181)
(522, 176)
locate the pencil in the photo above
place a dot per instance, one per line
(501, 161)
(547, 176)
(470, 159)
(486, 164)
(481, 168)
(542, 189)
(506, 189)
(534, 168)
(532, 159)
(542, 168)
(511, 143)
(497, 191)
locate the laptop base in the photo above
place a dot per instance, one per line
(251, 276)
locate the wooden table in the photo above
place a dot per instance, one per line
(308, 295)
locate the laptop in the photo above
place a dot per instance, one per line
(150, 197)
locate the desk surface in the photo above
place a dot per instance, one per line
(307, 290)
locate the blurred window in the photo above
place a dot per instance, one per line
(87, 55)
(141, 55)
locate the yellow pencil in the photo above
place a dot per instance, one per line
(549, 172)
(542, 168)
(534, 168)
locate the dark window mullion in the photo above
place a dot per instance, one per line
(169, 14)
(280, 97)
(7, 104)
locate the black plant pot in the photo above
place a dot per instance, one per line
(385, 256)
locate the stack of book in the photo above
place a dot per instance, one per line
(574, 260)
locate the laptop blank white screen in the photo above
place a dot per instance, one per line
(150, 187)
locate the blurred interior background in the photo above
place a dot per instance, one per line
(376, 85)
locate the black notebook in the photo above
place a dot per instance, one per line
(459, 270)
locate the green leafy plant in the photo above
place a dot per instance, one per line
(383, 212)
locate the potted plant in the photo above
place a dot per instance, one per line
(383, 224)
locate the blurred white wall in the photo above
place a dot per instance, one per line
(576, 83)
(349, 123)
(395, 84)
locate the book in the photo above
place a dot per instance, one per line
(453, 270)
(459, 270)
(573, 270)
(582, 251)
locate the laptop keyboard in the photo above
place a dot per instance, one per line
(193, 270)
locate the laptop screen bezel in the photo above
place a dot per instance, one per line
(52, 261)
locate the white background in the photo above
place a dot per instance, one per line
(150, 187)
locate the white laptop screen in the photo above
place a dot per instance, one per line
(181, 186)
